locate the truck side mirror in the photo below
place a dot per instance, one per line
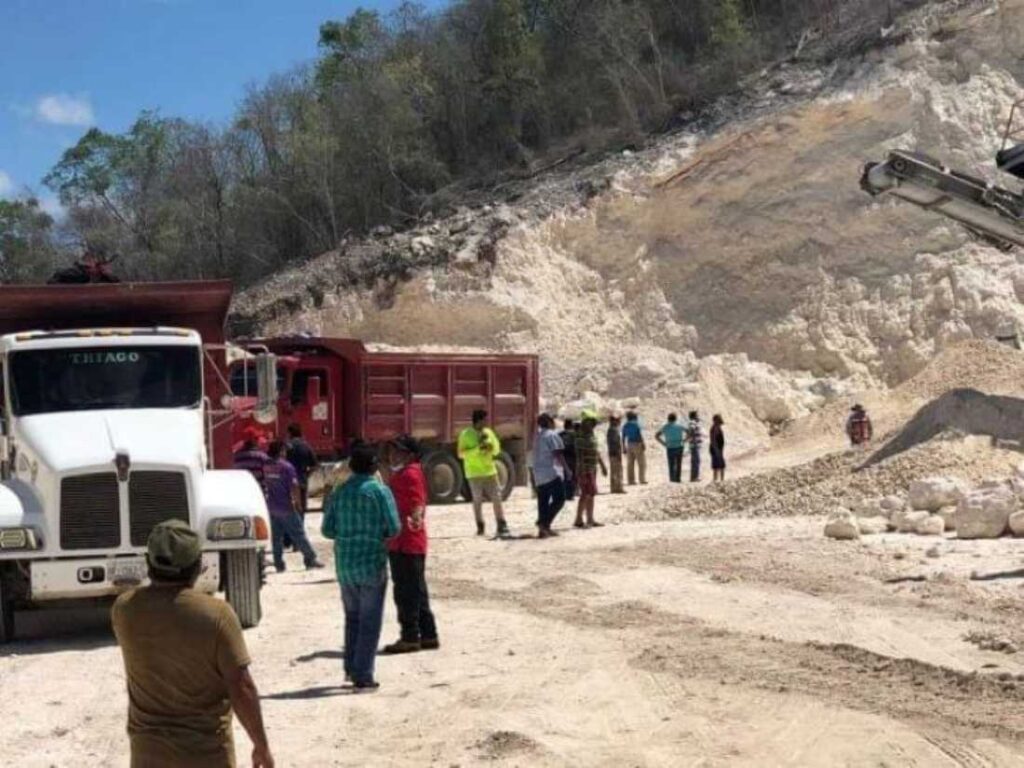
(266, 388)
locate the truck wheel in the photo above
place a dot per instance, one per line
(444, 477)
(242, 584)
(6, 613)
(506, 474)
(506, 477)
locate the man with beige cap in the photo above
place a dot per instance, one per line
(186, 664)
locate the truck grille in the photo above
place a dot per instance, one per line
(89, 512)
(154, 497)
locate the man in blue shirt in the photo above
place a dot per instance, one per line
(673, 436)
(633, 439)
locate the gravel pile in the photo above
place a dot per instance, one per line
(818, 487)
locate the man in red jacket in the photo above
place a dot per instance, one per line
(408, 550)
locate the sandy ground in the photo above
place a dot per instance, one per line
(685, 643)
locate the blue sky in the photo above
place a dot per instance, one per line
(70, 64)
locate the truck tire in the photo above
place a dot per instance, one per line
(506, 477)
(242, 582)
(6, 613)
(444, 477)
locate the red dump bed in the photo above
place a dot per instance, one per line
(375, 396)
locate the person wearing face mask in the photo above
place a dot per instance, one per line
(407, 551)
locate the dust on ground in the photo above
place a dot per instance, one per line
(739, 641)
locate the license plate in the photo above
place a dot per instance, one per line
(128, 571)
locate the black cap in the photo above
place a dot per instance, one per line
(406, 443)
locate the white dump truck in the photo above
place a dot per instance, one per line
(113, 417)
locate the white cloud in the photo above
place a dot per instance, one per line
(64, 109)
(6, 185)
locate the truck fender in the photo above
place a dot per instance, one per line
(21, 507)
(230, 493)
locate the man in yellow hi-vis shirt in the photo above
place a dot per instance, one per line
(478, 448)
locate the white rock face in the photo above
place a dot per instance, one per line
(872, 525)
(933, 493)
(1017, 523)
(933, 525)
(842, 525)
(985, 514)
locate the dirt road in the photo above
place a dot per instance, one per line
(698, 643)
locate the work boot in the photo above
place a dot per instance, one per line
(402, 646)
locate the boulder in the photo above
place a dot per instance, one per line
(933, 493)
(933, 525)
(908, 520)
(892, 503)
(948, 515)
(842, 525)
(869, 507)
(871, 525)
(1017, 523)
(985, 513)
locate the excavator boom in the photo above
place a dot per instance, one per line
(993, 214)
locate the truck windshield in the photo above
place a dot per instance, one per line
(93, 378)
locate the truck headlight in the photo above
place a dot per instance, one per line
(227, 528)
(18, 538)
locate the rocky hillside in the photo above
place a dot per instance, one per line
(735, 265)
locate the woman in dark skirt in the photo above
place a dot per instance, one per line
(717, 448)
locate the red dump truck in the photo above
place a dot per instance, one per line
(338, 391)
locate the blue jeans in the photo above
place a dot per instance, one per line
(292, 527)
(364, 613)
(675, 464)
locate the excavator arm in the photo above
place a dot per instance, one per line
(991, 213)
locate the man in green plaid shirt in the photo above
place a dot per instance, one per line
(360, 517)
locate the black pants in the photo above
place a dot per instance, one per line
(408, 572)
(550, 500)
(675, 464)
(694, 464)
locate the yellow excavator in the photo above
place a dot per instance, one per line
(992, 213)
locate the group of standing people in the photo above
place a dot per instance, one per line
(626, 442)
(374, 526)
(677, 439)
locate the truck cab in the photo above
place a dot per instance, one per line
(104, 433)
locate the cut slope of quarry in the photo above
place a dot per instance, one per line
(739, 269)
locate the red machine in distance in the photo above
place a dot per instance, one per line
(338, 392)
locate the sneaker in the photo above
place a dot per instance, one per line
(503, 531)
(370, 686)
(431, 644)
(402, 646)
(480, 529)
(315, 565)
